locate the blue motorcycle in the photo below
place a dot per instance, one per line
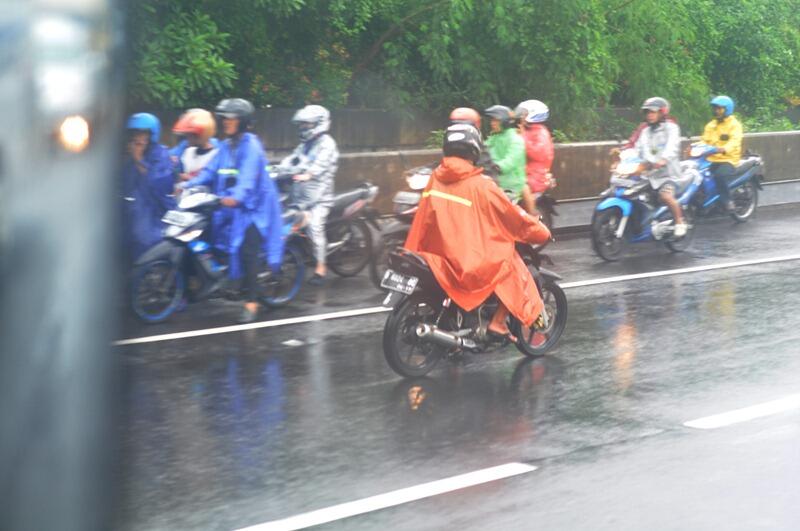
(744, 184)
(630, 211)
(183, 266)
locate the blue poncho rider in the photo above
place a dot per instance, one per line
(250, 218)
(313, 165)
(148, 177)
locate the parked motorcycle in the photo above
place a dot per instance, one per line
(425, 326)
(349, 247)
(744, 184)
(183, 265)
(393, 233)
(630, 211)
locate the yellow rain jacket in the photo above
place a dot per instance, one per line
(725, 134)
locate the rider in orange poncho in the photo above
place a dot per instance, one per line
(466, 228)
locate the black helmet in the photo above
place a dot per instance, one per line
(502, 113)
(236, 108)
(463, 141)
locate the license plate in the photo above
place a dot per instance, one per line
(399, 282)
(180, 219)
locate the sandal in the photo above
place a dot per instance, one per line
(500, 336)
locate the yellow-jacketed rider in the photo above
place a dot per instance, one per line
(725, 133)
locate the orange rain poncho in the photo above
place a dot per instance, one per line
(465, 229)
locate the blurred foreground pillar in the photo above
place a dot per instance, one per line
(58, 390)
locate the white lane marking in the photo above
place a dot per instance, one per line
(681, 271)
(748, 413)
(252, 326)
(396, 497)
(382, 309)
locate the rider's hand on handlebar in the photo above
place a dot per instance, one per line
(228, 202)
(302, 177)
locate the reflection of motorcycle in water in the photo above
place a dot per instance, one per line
(475, 405)
(426, 327)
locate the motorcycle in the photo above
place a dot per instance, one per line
(393, 234)
(630, 211)
(183, 265)
(425, 327)
(744, 184)
(349, 247)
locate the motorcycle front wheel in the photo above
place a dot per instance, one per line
(681, 244)
(406, 353)
(356, 250)
(604, 234)
(380, 259)
(157, 290)
(535, 342)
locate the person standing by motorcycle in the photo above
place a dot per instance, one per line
(539, 147)
(507, 150)
(250, 220)
(199, 128)
(659, 146)
(462, 202)
(724, 132)
(315, 161)
(148, 177)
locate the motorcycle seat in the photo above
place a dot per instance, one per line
(342, 201)
(745, 165)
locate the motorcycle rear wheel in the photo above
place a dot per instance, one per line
(157, 290)
(534, 342)
(745, 200)
(280, 292)
(405, 353)
(356, 252)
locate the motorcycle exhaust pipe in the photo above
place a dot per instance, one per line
(446, 339)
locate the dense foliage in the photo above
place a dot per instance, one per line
(582, 57)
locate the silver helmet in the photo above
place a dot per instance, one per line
(312, 120)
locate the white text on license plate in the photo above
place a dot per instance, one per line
(399, 282)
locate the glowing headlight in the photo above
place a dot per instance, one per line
(73, 134)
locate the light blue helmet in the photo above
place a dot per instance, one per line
(145, 121)
(724, 102)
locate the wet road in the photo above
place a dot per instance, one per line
(232, 430)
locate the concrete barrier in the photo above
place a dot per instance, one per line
(581, 168)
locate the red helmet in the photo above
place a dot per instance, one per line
(465, 115)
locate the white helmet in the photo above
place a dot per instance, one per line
(313, 120)
(534, 110)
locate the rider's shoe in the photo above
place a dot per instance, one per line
(680, 230)
(247, 316)
(317, 280)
